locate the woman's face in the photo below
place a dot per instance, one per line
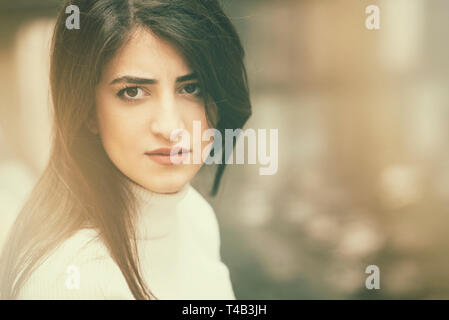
(146, 92)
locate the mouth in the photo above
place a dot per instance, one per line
(168, 156)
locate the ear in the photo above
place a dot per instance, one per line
(92, 123)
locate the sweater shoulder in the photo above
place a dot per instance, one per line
(79, 268)
(202, 220)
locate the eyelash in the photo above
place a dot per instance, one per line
(122, 91)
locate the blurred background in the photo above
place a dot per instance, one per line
(362, 117)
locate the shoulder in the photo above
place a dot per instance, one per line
(201, 219)
(79, 268)
(200, 216)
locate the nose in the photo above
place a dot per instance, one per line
(167, 118)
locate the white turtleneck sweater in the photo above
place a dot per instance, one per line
(179, 251)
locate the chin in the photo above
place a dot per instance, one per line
(166, 183)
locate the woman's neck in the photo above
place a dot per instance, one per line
(156, 212)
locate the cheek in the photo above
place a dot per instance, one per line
(205, 126)
(199, 114)
(195, 114)
(117, 129)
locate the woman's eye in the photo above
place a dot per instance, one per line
(131, 93)
(192, 88)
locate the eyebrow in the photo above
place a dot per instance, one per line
(138, 80)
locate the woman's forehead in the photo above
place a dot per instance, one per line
(146, 55)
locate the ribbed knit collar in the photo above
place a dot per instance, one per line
(156, 212)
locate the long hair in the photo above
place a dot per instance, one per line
(80, 186)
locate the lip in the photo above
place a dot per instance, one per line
(162, 155)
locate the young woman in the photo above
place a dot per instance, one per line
(111, 217)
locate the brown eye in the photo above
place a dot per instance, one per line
(192, 88)
(131, 93)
